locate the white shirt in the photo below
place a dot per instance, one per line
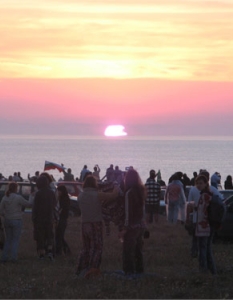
(194, 195)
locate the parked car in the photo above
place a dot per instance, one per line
(226, 229)
(226, 193)
(24, 188)
(73, 187)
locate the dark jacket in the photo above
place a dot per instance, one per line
(134, 211)
(228, 185)
(64, 207)
(44, 203)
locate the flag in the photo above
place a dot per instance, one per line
(50, 165)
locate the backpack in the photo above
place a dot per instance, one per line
(216, 212)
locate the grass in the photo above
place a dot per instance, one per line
(166, 253)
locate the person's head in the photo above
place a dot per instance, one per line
(62, 191)
(15, 173)
(19, 174)
(116, 168)
(10, 178)
(152, 174)
(202, 183)
(205, 173)
(179, 175)
(42, 182)
(132, 179)
(194, 174)
(85, 167)
(90, 182)
(185, 176)
(175, 177)
(95, 169)
(111, 166)
(69, 170)
(229, 178)
(12, 188)
(49, 178)
(37, 174)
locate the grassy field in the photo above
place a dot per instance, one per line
(166, 253)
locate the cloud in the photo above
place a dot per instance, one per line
(124, 39)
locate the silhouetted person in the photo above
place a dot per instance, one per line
(228, 185)
(194, 178)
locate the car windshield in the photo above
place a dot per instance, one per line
(229, 200)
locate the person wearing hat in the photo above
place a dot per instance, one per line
(153, 198)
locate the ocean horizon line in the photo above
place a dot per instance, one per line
(128, 137)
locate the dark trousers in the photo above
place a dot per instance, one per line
(206, 259)
(61, 244)
(92, 238)
(132, 251)
(194, 246)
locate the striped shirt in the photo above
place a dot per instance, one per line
(153, 191)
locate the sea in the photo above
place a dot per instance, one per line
(27, 154)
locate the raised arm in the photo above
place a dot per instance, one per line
(108, 197)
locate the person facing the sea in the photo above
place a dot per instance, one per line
(153, 198)
(110, 173)
(15, 177)
(68, 176)
(174, 198)
(204, 232)
(193, 179)
(35, 177)
(43, 217)
(134, 225)
(64, 206)
(11, 209)
(96, 172)
(228, 185)
(83, 173)
(90, 201)
(118, 175)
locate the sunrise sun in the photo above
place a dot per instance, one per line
(115, 130)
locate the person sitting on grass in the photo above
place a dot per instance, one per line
(90, 201)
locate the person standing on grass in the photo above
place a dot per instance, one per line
(174, 198)
(153, 198)
(134, 226)
(194, 196)
(64, 206)
(43, 217)
(90, 201)
(204, 232)
(11, 209)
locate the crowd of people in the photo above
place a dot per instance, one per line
(131, 205)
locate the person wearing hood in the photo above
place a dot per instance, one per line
(43, 217)
(11, 209)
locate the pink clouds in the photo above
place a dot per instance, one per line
(106, 100)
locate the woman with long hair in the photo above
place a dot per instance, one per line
(134, 225)
(204, 231)
(11, 208)
(228, 184)
(64, 206)
(90, 201)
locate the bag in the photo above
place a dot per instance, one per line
(189, 225)
(216, 212)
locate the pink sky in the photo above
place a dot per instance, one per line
(155, 67)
